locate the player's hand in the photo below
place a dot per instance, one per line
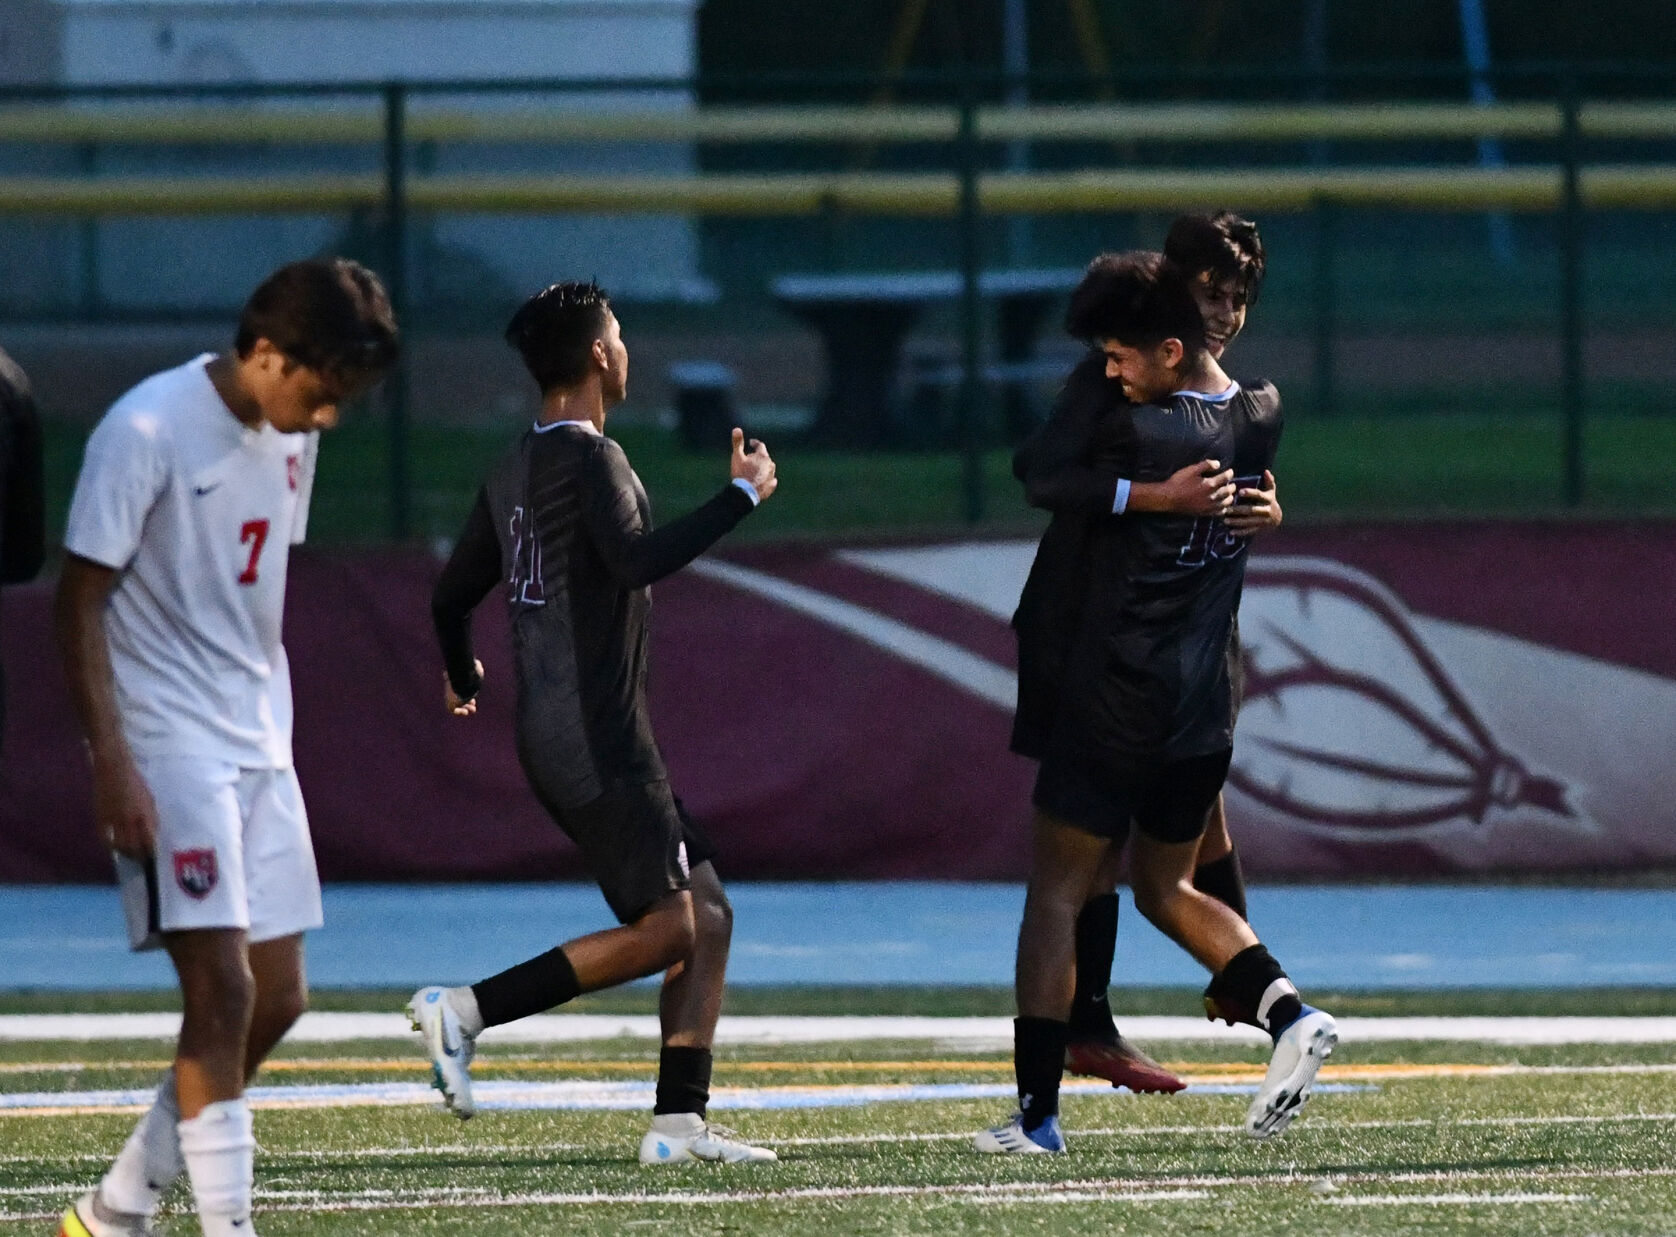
(1202, 489)
(123, 809)
(456, 706)
(753, 465)
(1255, 510)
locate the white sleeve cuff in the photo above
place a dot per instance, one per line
(756, 498)
(1121, 501)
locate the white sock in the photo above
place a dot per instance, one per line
(463, 1001)
(149, 1162)
(219, 1146)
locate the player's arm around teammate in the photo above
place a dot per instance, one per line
(168, 614)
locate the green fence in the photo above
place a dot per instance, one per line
(1472, 258)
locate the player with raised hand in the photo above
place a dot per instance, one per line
(564, 524)
(1065, 468)
(1143, 734)
(194, 487)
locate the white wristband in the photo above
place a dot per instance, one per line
(1121, 501)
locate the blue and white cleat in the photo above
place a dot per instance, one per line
(686, 1137)
(1298, 1056)
(451, 1049)
(1013, 1139)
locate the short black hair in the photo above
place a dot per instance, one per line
(554, 331)
(330, 315)
(1225, 245)
(1138, 298)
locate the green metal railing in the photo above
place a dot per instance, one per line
(396, 115)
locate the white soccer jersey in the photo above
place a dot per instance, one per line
(198, 512)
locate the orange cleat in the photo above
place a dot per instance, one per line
(1122, 1064)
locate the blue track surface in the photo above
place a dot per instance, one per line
(909, 933)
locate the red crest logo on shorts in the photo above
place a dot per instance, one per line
(293, 470)
(195, 871)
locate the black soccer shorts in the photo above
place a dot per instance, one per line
(639, 842)
(1168, 801)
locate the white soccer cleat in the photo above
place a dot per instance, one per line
(687, 1138)
(1298, 1055)
(1013, 1139)
(451, 1049)
(90, 1217)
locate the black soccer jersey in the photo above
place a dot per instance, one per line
(1150, 671)
(565, 524)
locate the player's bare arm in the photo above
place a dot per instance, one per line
(1202, 489)
(753, 465)
(123, 809)
(1255, 510)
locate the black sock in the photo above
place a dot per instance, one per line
(528, 988)
(1251, 978)
(1039, 1062)
(683, 1080)
(1223, 880)
(1091, 1011)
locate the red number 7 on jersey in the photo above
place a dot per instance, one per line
(255, 532)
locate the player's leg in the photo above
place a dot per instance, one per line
(217, 1139)
(631, 838)
(1063, 862)
(1095, 1048)
(191, 898)
(281, 996)
(1217, 868)
(451, 1019)
(284, 896)
(1248, 984)
(689, 1007)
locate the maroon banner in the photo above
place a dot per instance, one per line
(1422, 700)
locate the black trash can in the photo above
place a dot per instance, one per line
(704, 407)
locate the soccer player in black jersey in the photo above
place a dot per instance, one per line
(563, 523)
(1143, 732)
(1222, 254)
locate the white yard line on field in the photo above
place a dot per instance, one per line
(951, 1034)
(1452, 1200)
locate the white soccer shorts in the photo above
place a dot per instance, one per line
(233, 851)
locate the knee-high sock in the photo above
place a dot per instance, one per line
(219, 1146)
(1223, 880)
(149, 1162)
(1091, 1011)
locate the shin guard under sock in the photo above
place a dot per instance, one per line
(528, 988)
(149, 1162)
(1039, 1062)
(683, 1081)
(1253, 989)
(1091, 1011)
(219, 1147)
(1223, 880)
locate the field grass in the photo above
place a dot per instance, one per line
(1554, 1139)
(1418, 454)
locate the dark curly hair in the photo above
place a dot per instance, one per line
(1138, 298)
(1224, 244)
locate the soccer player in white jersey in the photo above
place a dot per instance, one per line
(193, 489)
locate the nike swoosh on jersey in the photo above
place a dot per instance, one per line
(201, 490)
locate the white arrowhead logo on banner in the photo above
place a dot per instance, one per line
(1352, 725)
